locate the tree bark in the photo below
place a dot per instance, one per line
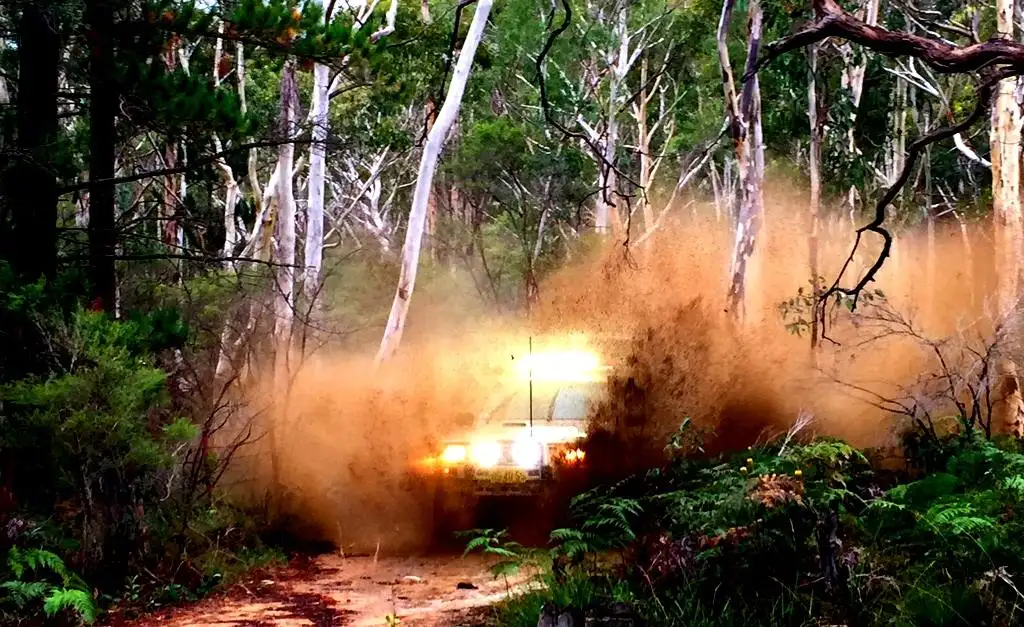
(814, 160)
(430, 226)
(1006, 155)
(853, 81)
(168, 214)
(232, 191)
(424, 182)
(103, 101)
(28, 224)
(284, 251)
(643, 142)
(606, 212)
(744, 116)
(940, 55)
(314, 248)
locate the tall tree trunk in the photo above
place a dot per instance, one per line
(314, 249)
(30, 241)
(424, 182)
(1006, 154)
(430, 226)
(284, 258)
(284, 251)
(852, 80)
(606, 212)
(232, 190)
(168, 214)
(814, 160)
(929, 216)
(744, 115)
(103, 100)
(643, 142)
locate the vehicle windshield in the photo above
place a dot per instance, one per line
(571, 403)
(557, 404)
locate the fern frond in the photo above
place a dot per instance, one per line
(958, 519)
(479, 542)
(77, 601)
(21, 592)
(500, 551)
(505, 568)
(20, 560)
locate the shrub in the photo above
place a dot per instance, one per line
(798, 534)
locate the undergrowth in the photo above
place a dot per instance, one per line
(109, 471)
(796, 534)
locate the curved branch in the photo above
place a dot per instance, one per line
(943, 57)
(985, 92)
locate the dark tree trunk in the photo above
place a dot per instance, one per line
(31, 190)
(102, 118)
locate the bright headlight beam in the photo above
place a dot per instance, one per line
(573, 365)
(485, 454)
(454, 454)
(526, 453)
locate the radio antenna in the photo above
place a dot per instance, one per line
(531, 385)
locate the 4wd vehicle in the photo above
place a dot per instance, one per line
(527, 441)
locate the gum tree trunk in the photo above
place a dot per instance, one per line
(424, 183)
(745, 120)
(314, 249)
(814, 160)
(284, 250)
(1006, 155)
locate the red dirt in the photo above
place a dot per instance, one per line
(333, 590)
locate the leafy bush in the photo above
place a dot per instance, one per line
(795, 534)
(101, 467)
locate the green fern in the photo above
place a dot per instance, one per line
(576, 542)
(615, 515)
(957, 519)
(73, 595)
(827, 453)
(20, 593)
(1015, 484)
(78, 601)
(20, 560)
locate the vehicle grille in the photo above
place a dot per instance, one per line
(506, 459)
(506, 454)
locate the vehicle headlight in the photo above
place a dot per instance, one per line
(486, 454)
(526, 453)
(454, 454)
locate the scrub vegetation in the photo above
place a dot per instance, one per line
(260, 258)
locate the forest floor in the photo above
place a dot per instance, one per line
(429, 591)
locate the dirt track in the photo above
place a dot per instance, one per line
(357, 591)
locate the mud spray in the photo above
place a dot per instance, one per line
(347, 434)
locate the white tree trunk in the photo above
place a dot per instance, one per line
(314, 249)
(745, 119)
(424, 183)
(852, 80)
(1006, 155)
(231, 189)
(606, 209)
(284, 251)
(643, 143)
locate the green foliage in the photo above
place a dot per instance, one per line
(20, 594)
(767, 522)
(513, 555)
